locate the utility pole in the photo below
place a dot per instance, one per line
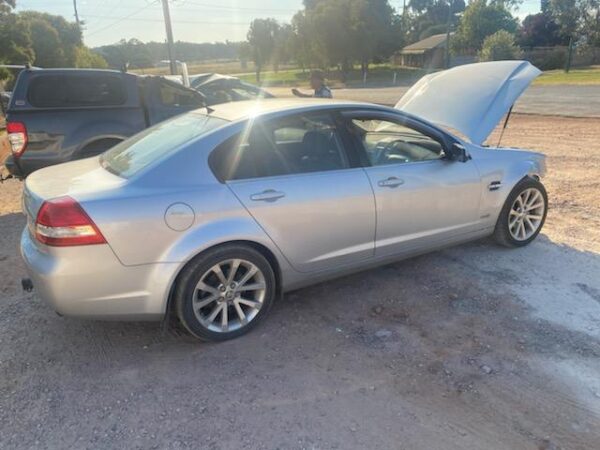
(170, 49)
(76, 14)
(448, 34)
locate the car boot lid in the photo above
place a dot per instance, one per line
(470, 99)
(75, 179)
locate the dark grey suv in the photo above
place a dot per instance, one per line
(59, 115)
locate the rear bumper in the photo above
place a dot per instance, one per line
(90, 282)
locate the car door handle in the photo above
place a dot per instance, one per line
(270, 195)
(391, 182)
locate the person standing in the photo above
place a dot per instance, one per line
(317, 82)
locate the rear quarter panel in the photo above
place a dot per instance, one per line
(132, 218)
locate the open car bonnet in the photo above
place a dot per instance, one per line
(471, 98)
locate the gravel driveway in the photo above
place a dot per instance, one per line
(474, 347)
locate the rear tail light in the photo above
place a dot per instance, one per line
(62, 222)
(17, 136)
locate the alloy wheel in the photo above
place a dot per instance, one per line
(229, 295)
(526, 214)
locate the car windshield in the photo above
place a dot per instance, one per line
(131, 156)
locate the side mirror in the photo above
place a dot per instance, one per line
(459, 153)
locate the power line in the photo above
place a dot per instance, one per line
(122, 19)
(149, 19)
(238, 8)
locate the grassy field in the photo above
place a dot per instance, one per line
(293, 76)
(378, 75)
(587, 75)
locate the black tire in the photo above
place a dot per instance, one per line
(502, 234)
(185, 290)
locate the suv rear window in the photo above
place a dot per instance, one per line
(131, 156)
(65, 91)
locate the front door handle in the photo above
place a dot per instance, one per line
(391, 182)
(270, 195)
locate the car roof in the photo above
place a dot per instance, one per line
(235, 111)
(65, 71)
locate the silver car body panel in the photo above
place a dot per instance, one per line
(331, 223)
(327, 224)
(471, 98)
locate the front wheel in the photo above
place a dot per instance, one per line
(523, 214)
(225, 292)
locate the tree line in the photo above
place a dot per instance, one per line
(324, 33)
(342, 33)
(43, 40)
(139, 55)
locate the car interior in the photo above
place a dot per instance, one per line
(285, 148)
(390, 143)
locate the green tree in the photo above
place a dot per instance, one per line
(479, 21)
(301, 41)
(283, 51)
(341, 32)
(540, 30)
(47, 44)
(500, 46)
(431, 17)
(87, 58)
(590, 22)
(567, 15)
(372, 30)
(15, 38)
(66, 35)
(262, 37)
(579, 20)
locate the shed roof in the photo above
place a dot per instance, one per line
(435, 41)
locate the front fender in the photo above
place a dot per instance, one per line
(501, 170)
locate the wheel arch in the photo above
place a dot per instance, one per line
(87, 147)
(259, 247)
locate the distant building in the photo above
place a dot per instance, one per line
(430, 53)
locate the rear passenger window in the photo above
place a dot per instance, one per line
(64, 91)
(292, 145)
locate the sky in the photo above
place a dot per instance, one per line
(108, 21)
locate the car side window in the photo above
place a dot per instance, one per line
(296, 144)
(173, 95)
(67, 91)
(387, 142)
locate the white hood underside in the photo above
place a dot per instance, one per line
(471, 98)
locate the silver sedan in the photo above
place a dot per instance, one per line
(212, 215)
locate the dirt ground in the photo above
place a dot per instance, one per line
(474, 347)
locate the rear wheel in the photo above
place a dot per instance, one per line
(225, 292)
(523, 214)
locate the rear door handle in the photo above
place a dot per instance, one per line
(391, 182)
(270, 195)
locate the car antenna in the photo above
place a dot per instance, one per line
(504, 126)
